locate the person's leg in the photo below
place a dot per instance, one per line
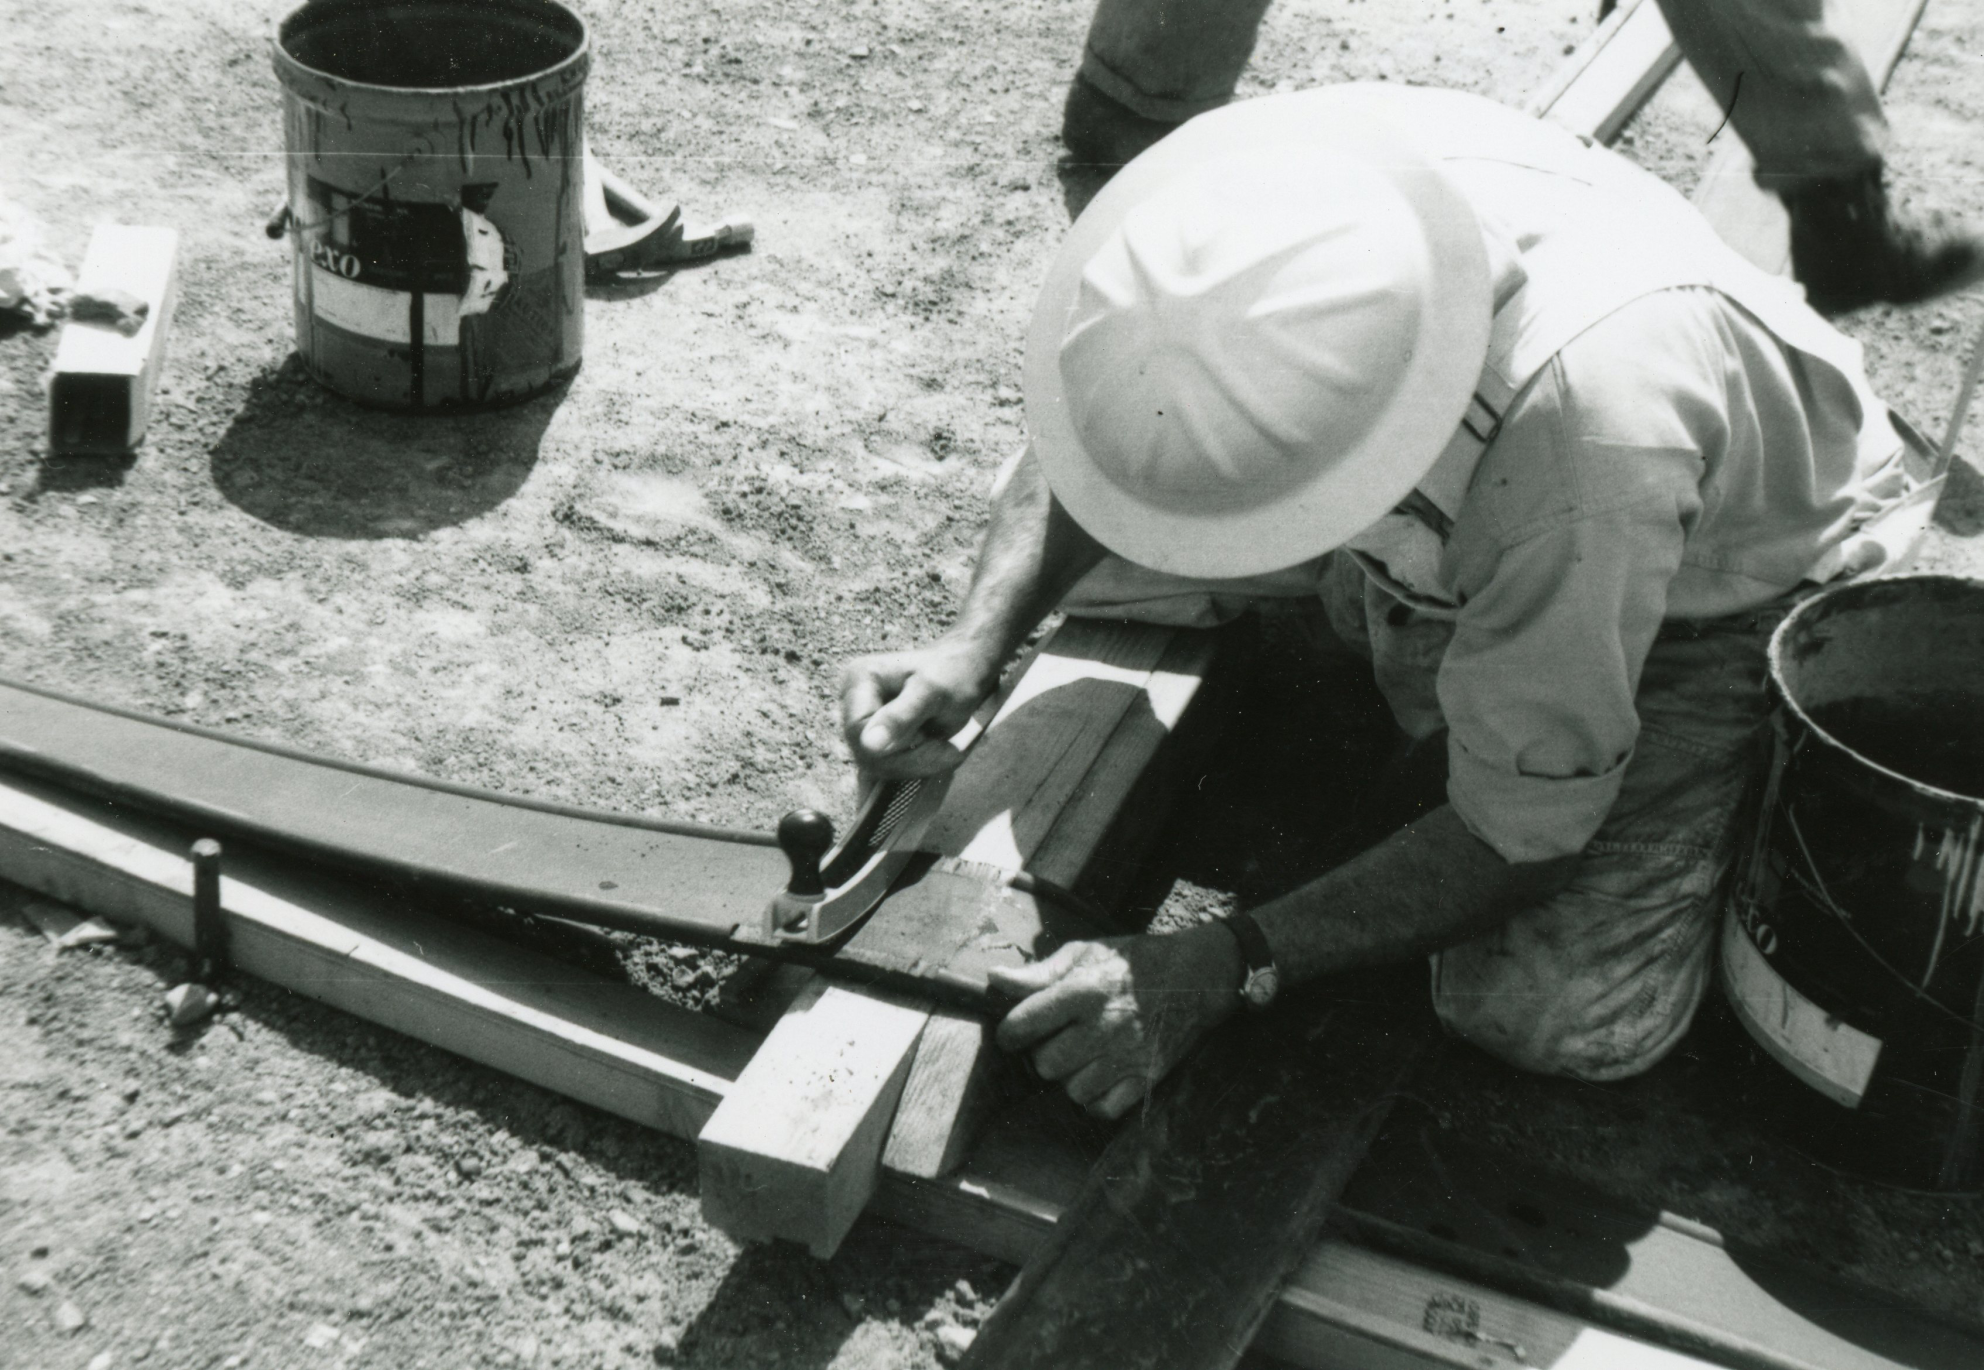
(1797, 94)
(1600, 981)
(1805, 105)
(1148, 66)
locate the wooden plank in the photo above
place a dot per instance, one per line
(795, 1149)
(609, 1045)
(1172, 1253)
(682, 881)
(1361, 1310)
(1056, 722)
(952, 1084)
(1533, 1232)
(1613, 73)
(1104, 819)
(1088, 831)
(1751, 219)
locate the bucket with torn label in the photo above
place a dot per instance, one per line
(436, 196)
(1854, 948)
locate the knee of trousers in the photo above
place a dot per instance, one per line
(1580, 986)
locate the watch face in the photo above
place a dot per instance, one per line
(1261, 987)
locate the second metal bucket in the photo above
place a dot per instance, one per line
(1854, 950)
(436, 196)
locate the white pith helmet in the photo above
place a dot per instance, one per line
(1259, 336)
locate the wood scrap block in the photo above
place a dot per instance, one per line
(1105, 831)
(794, 1149)
(1055, 722)
(100, 395)
(1065, 790)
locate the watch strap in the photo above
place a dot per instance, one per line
(1253, 942)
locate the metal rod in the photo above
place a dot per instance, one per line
(209, 927)
(1964, 393)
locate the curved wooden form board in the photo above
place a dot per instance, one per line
(674, 880)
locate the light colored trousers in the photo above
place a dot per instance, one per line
(1806, 106)
(1600, 980)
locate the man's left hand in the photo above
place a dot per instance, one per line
(1109, 1019)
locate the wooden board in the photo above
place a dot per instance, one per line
(1515, 1225)
(684, 881)
(1054, 724)
(1613, 73)
(1171, 1255)
(1752, 220)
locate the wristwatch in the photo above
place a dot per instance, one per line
(1263, 982)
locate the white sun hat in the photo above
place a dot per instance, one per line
(1259, 336)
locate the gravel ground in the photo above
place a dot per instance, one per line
(630, 593)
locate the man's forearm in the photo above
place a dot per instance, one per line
(1033, 554)
(1427, 886)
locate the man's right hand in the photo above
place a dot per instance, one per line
(898, 709)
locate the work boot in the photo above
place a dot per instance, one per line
(1101, 131)
(1851, 248)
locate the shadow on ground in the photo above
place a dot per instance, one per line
(308, 461)
(69, 473)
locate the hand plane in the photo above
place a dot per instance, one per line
(835, 885)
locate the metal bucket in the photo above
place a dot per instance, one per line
(436, 198)
(1854, 949)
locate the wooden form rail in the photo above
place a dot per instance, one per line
(623, 1051)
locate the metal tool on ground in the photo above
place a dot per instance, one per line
(627, 232)
(623, 228)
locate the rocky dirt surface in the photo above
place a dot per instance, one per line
(630, 593)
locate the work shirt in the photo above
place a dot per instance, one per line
(1675, 460)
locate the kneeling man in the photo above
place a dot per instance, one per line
(1551, 456)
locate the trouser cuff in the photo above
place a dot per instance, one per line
(1168, 109)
